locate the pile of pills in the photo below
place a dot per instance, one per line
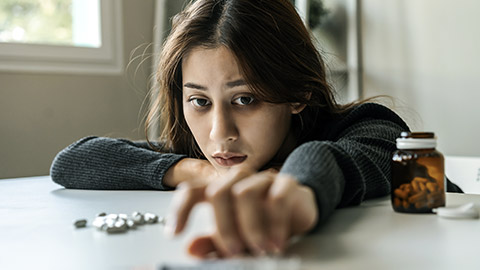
(119, 223)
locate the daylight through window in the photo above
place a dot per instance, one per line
(51, 22)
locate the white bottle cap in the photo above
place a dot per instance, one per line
(416, 143)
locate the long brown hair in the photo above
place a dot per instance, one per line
(273, 48)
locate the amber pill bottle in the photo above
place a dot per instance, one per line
(418, 177)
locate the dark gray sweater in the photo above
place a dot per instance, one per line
(345, 162)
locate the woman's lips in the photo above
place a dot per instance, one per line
(229, 159)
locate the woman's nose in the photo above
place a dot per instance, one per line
(223, 126)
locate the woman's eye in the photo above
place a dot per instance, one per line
(199, 102)
(245, 100)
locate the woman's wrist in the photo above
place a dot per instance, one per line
(306, 215)
(187, 169)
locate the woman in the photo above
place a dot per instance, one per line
(250, 126)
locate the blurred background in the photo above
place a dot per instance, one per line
(73, 68)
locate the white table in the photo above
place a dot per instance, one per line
(37, 232)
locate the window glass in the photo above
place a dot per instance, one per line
(51, 22)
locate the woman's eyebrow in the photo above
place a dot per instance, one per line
(236, 83)
(231, 84)
(194, 86)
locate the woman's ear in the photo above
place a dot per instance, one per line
(298, 107)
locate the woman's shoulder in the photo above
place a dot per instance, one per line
(364, 117)
(370, 111)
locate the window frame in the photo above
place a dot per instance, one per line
(40, 58)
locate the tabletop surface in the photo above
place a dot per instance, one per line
(37, 232)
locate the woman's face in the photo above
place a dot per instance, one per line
(231, 127)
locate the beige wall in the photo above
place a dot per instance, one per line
(42, 113)
(426, 55)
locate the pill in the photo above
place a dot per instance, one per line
(115, 229)
(131, 224)
(121, 224)
(138, 219)
(420, 180)
(400, 193)
(432, 187)
(417, 197)
(80, 223)
(123, 216)
(110, 222)
(98, 222)
(421, 186)
(102, 214)
(151, 218)
(397, 202)
(415, 186)
(112, 216)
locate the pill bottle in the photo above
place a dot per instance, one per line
(418, 177)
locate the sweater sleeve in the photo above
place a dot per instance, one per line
(116, 164)
(353, 164)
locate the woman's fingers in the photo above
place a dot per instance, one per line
(185, 197)
(279, 205)
(253, 211)
(249, 207)
(226, 238)
(203, 247)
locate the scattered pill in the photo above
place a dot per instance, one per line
(138, 219)
(131, 224)
(102, 214)
(80, 223)
(112, 216)
(98, 222)
(151, 218)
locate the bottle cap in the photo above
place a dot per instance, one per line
(416, 140)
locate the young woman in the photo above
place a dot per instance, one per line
(250, 126)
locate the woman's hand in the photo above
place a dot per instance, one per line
(254, 212)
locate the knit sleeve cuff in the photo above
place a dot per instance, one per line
(313, 164)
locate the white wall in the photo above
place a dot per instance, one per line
(426, 54)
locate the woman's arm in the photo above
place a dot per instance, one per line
(353, 164)
(106, 163)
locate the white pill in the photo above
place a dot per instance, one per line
(138, 219)
(98, 222)
(121, 224)
(123, 216)
(112, 216)
(131, 224)
(151, 218)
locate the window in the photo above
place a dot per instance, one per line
(74, 36)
